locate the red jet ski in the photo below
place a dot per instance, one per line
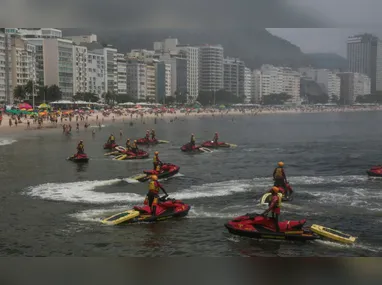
(131, 155)
(166, 209)
(167, 170)
(79, 158)
(211, 144)
(110, 146)
(257, 226)
(375, 171)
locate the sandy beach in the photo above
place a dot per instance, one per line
(112, 118)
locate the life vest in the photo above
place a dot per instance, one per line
(155, 159)
(192, 139)
(134, 146)
(112, 138)
(280, 196)
(153, 187)
(278, 205)
(279, 173)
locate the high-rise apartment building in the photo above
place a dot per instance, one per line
(163, 81)
(58, 65)
(276, 80)
(362, 57)
(256, 86)
(136, 80)
(111, 69)
(234, 76)
(96, 73)
(211, 68)
(5, 76)
(151, 88)
(247, 85)
(80, 69)
(192, 56)
(122, 74)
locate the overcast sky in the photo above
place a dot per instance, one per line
(314, 25)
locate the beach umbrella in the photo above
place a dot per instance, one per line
(44, 106)
(24, 106)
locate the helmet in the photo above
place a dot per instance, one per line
(147, 131)
(275, 189)
(128, 140)
(216, 133)
(192, 134)
(281, 164)
(156, 153)
(81, 141)
(135, 141)
(154, 177)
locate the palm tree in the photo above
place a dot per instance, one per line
(53, 93)
(29, 88)
(42, 92)
(19, 93)
(109, 97)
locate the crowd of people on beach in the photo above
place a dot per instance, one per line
(114, 113)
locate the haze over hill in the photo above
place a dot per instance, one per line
(256, 46)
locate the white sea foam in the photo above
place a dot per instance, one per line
(6, 141)
(81, 192)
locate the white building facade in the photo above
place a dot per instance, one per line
(271, 80)
(276, 80)
(247, 85)
(192, 56)
(96, 73)
(291, 84)
(151, 88)
(362, 85)
(83, 39)
(58, 65)
(80, 69)
(121, 74)
(5, 59)
(47, 33)
(136, 80)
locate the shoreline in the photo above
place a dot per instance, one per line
(6, 130)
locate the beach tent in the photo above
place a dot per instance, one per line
(14, 112)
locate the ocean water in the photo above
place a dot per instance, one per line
(52, 207)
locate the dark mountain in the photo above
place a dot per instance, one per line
(254, 46)
(328, 61)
